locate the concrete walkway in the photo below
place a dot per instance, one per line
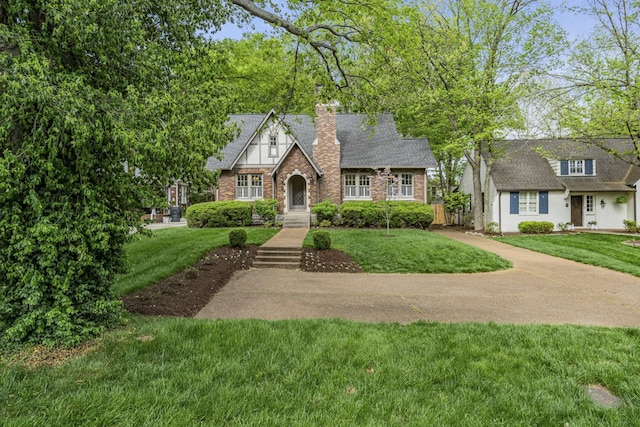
(539, 289)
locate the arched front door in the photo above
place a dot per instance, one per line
(297, 193)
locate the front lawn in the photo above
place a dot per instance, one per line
(321, 372)
(410, 251)
(151, 259)
(603, 250)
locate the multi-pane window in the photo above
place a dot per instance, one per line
(576, 167)
(350, 185)
(589, 204)
(406, 185)
(357, 185)
(364, 186)
(400, 186)
(528, 202)
(256, 186)
(273, 145)
(248, 186)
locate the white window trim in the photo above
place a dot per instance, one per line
(358, 188)
(589, 207)
(535, 199)
(574, 170)
(400, 195)
(249, 190)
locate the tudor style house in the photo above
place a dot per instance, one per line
(560, 181)
(300, 163)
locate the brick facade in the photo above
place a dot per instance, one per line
(326, 153)
(227, 182)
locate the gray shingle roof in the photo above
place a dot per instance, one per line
(362, 145)
(523, 165)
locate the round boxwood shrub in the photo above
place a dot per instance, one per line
(321, 240)
(237, 238)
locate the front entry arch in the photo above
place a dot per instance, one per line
(297, 193)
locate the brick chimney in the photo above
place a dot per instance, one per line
(326, 153)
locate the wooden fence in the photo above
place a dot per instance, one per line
(438, 215)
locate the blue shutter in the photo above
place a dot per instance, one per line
(588, 167)
(514, 203)
(564, 167)
(544, 202)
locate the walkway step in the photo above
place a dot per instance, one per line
(275, 257)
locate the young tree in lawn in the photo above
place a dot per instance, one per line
(386, 189)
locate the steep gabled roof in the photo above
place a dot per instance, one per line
(524, 165)
(249, 125)
(362, 145)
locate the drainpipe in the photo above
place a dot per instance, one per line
(426, 200)
(500, 211)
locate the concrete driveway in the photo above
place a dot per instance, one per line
(539, 289)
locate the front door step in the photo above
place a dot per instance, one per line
(296, 220)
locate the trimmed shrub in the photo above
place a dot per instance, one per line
(321, 240)
(237, 238)
(372, 214)
(266, 209)
(535, 227)
(491, 228)
(325, 211)
(220, 214)
(630, 226)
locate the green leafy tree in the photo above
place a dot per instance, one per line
(457, 71)
(600, 95)
(99, 104)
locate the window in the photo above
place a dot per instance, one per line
(576, 167)
(350, 185)
(183, 194)
(589, 204)
(528, 202)
(357, 186)
(248, 186)
(364, 186)
(273, 145)
(406, 185)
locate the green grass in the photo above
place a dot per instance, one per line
(410, 251)
(603, 250)
(152, 259)
(339, 373)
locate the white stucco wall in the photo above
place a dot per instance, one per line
(257, 153)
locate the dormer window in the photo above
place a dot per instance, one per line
(577, 167)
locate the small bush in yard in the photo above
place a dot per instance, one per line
(536, 227)
(191, 273)
(237, 238)
(321, 240)
(630, 226)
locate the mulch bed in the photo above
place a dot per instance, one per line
(187, 292)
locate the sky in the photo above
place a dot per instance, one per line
(577, 26)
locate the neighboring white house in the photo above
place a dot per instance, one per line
(560, 181)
